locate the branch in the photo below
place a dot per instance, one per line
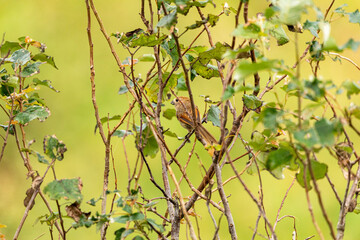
(36, 186)
(231, 224)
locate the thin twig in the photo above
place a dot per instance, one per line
(228, 215)
(30, 203)
(282, 202)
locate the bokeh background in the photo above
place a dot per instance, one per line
(62, 26)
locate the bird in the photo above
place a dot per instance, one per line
(185, 117)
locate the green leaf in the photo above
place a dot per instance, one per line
(31, 113)
(127, 208)
(351, 44)
(126, 38)
(183, 6)
(152, 88)
(351, 87)
(149, 145)
(326, 131)
(155, 225)
(127, 232)
(5, 127)
(168, 21)
(314, 89)
(316, 51)
(278, 160)
(150, 204)
(93, 201)
(19, 57)
(123, 89)
(181, 84)
(290, 11)
(206, 71)
(170, 134)
(147, 40)
(251, 101)
(42, 57)
(31, 69)
(246, 68)
(330, 45)
(270, 12)
(122, 219)
(238, 53)
(106, 119)
(118, 233)
(138, 37)
(228, 93)
(354, 17)
(201, 66)
(212, 19)
(340, 9)
(216, 53)
(54, 148)
(214, 115)
(147, 58)
(271, 118)
(12, 81)
(319, 170)
(122, 233)
(258, 141)
(138, 238)
(353, 109)
(46, 83)
(120, 202)
(277, 31)
(41, 158)
(9, 46)
(70, 189)
(169, 113)
(247, 31)
(197, 24)
(307, 137)
(122, 133)
(171, 49)
(136, 216)
(313, 27)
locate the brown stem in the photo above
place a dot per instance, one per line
(231, 224)
(106, 140)
(30, 203)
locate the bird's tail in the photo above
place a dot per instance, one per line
(206, 139)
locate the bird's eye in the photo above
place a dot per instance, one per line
(176, 100)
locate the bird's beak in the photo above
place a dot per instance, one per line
(172, 102)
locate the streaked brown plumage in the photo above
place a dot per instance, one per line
(185, 117)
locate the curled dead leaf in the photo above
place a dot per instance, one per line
(75, 212)
(29, 194)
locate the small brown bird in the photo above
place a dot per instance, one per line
(185, 117)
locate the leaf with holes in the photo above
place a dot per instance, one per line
(54, 148)
(31, 113)
(69, 189)
(31, 69)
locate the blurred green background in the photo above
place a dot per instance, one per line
(61, 25)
